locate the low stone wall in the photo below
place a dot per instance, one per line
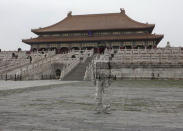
(42, 73)
(143, 71)
(114, 65)
(148, 73)
(48, 72)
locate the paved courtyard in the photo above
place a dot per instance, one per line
(136, 106)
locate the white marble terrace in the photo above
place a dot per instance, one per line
(22, 65)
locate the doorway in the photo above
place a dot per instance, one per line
(58, 73)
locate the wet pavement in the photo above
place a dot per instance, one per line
(8, 85)
(136, 106)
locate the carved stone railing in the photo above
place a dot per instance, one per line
(89, 73)
(21, 62)
(84, 54)
(159, 55)
(46, 62)
(41, 55)
(31, 69)
(14, 64)
(36, 66)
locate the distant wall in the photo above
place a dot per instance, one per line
(146, 71)
(48, 72)
(41, 73)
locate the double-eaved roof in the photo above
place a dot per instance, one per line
(95, 22)
(110, 21)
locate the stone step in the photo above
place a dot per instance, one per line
(77, 74)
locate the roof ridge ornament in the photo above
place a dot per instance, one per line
(122, 10)
(69, 13)
(168, 44)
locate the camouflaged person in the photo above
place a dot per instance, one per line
(103, 93)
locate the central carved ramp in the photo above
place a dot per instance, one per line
(77, 74)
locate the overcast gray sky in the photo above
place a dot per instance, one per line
(18, 17)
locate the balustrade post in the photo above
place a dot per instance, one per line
(6, 77)
(20, 76)
(27, 68)
(15, 78)
(42, 77)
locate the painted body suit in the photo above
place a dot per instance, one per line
(102, 83)
(103, 95)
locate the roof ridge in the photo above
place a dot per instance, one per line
(98, 14)
(47, 27)
(110, 19)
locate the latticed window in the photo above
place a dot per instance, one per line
(54, 45)
(65, 34)
(116, 33)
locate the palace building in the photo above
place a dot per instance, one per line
(94, 31)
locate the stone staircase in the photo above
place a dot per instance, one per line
(77, 74)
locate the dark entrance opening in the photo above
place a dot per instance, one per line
(34, 50)
(58, 73)
(101, 49)
(140, 47)
(128, 47)
(73, 56)
(64, 50)
(75, 48)
(89, 48)
(149, 47)
(95, 50)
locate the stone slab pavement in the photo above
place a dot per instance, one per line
(136, 106)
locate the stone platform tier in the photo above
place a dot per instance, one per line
(13, 60)
(160, 63)
(45, 66)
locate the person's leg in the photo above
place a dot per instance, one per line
(107, 98)
(99, 104)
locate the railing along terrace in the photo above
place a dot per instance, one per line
(160, 55)
(31, 68)
(13, 64)
(11, 77)
(43, 63)
(41, 54)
